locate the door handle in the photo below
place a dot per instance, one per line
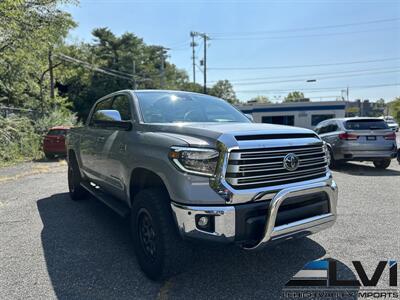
(100, 139)
(122, 147)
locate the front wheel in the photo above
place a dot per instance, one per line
(333, 164)
(159, 249)
(382, 164)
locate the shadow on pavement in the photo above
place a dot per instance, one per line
(366, 170)
(89, 254)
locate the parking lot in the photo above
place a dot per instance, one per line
(52, 247)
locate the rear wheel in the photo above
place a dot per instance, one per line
(159, 249)
(382, 164)
(49, 155)
(76, 191)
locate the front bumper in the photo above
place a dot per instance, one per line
(226, 220)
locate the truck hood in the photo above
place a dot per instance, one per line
(206, 134)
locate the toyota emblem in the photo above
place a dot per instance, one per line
(291, 162)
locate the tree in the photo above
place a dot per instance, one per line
(28, 30)
(296, 97)
(224, 89)
(120, 56)
(259, 99)
(394, 109)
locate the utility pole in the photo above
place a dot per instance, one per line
(205, 39)
(347, 93)
(134, 74)
(51, 73)
(162, 66)
(193, 44)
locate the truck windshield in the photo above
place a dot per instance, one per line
(173, 107)
(365, 124)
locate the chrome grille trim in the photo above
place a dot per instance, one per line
(264, 167)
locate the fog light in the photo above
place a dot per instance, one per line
(203, 221)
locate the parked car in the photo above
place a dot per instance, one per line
(358, 139)
(186, 166)
(54, 142)
(393, 125)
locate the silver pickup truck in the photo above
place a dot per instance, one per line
(190, 167)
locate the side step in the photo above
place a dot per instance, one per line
(112, 202)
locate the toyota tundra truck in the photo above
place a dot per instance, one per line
(188, 168)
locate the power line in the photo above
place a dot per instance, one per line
(235, 38)
(315, 90)
(321, 78)
(306, 66)
(302, 75)
(308, 28)
(107, 71)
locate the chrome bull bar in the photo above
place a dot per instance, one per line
(308, 225)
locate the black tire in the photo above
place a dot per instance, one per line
(76, 191)
(159, 249)
(49, 156)
(333, 164)
(382, 164)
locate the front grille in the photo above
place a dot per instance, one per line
(264, 167)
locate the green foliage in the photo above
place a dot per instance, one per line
(224, 89)
(260, 99)
(394, 109)
(121, 55)
(21, 138)
(18, 140)
(60, 117)
(28, 30)
(296, 97)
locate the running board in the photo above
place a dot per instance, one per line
(113, 203)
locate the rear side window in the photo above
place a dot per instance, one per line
(327, 127)
(365, 124)
(57, 132)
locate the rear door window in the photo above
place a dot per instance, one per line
(365, 124)
(57, 132)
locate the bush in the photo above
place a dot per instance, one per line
(18, 140)
(55, 118)
(21, 137)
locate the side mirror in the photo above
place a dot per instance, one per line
(107, 115)
(109, 118)
(250, 117)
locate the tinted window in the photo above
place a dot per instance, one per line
(57, 132)
(121, 104)
(315, 119)
(322, 129)
(365, 124)
(103, 105)
(170, 107)
(281, 120)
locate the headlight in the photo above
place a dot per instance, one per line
(195, 160)
(327, 153)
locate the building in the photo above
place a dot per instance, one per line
(301, 114)
(365, 108)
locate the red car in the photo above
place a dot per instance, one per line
(54, 142)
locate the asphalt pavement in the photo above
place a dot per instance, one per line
(52, 247)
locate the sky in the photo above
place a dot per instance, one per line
(268, 47)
